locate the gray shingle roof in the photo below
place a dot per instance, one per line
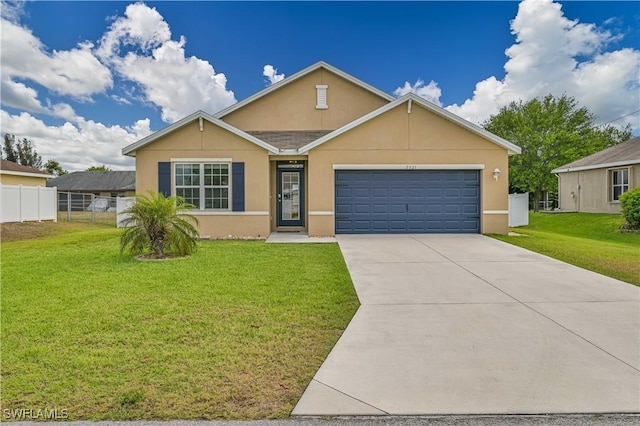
(618, 155)
(288, 139)
(95, 181)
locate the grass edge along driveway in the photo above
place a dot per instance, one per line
(591, 241)
(236, 331)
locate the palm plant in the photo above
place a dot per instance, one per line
(159, 224)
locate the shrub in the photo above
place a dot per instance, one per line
(630, 206)
(159, 224)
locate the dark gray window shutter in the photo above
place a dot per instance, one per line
(164, 178)
(237, 182)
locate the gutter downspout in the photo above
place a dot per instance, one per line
(579, 197)
(559, 193)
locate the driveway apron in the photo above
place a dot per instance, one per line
(465, 324)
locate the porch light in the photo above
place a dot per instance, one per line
(496, 173)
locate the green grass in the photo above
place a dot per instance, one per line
(591, 241)
(236, 331)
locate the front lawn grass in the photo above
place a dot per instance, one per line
(235, 331)
(591, 241)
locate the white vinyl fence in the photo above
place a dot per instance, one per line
(519, 209)
(19, 203)
(123, 203)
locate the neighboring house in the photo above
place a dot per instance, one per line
(105, 184)
(16, 174)
(594, 184)
(326, 153)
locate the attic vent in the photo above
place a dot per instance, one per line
(321, 102)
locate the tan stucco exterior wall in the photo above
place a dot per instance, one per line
(22, 180)
(594, 192)
(214, 143)
(294, 106)
(400, 138)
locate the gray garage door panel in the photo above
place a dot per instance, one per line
(407, 201)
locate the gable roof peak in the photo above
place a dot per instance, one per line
(131, 149)
(287, 80)
(430, 106)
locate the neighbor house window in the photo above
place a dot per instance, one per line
(619, 179)
(205, 185)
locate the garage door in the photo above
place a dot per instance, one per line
(407, 201)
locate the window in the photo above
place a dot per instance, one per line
(205, 185)
(619, 179)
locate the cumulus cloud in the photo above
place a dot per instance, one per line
(77, 145)
(271, 74)
(76, 72)
(139, 47)
(430, 92)
(553, 54)
(136, 52)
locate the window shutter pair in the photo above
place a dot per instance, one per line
(237, 183)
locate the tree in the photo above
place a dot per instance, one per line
(22, 153)
(9, 153)
(159, 224)
(102, 168)
(551, 131)
(53, 167)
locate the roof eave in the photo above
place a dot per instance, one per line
(26, 174)
(596, 166)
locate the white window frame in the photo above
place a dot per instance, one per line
(201, 186)
(625, 186)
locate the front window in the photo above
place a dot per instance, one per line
(205, 185)
(619, 183)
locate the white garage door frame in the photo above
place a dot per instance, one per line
(410, 167)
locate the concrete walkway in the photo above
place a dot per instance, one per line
(464, 324)
(297, 238)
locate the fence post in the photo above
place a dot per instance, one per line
(93, 208)
(20, 201)
(55, 211)
(68, 206)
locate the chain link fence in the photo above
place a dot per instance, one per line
(83, 207)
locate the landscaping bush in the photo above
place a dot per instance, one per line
(161, 225)
(630, 206)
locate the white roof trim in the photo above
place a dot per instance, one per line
(596, 166)
(510, 147)
(295, 77)
(130, 149)
(26, 174)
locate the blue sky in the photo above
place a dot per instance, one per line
(84, 79)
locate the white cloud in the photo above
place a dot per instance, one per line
(179, 85)
(545, 59)
(76, 72)
(431, 92)
(137, 48)
(271, 74)
(17, 95)
(77, 145)
(12, 10)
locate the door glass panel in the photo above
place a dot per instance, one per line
(290, 191)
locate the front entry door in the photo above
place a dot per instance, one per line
(290, 194)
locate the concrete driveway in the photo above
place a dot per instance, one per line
(464, 324)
